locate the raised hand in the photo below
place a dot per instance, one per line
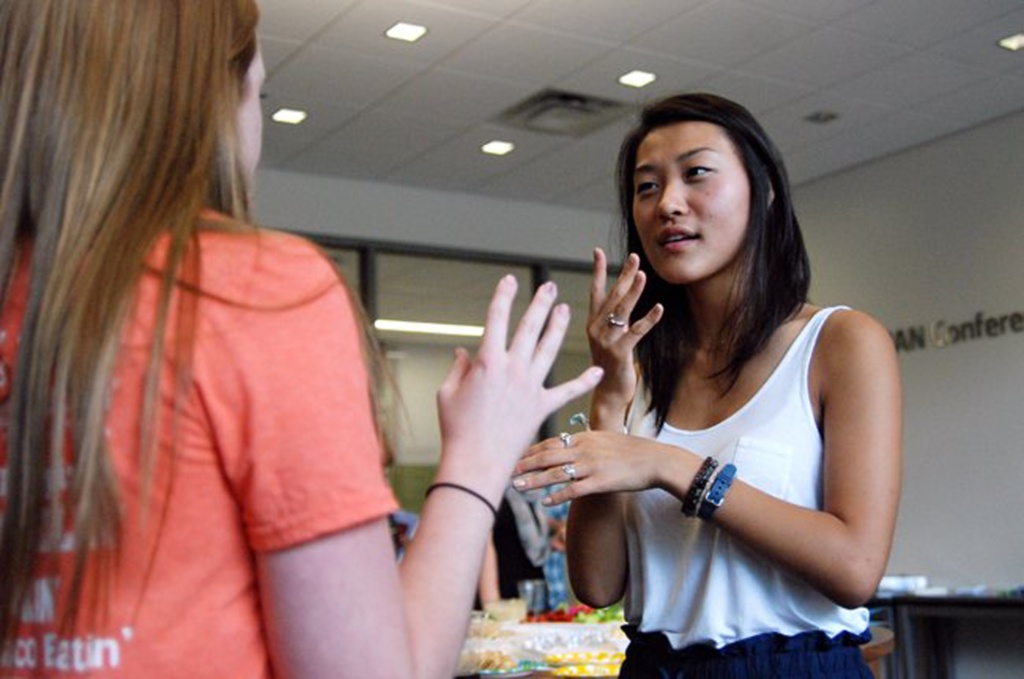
(491, 406)
(613, 336)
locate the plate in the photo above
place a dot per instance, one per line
(586, 671)
(525, 668)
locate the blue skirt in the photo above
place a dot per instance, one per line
(810, 655)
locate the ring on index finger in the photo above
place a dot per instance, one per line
(566, 439)
(570, 470)
(614, 321)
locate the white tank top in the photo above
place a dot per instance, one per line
(695, 583)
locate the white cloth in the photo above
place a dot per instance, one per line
(695, 583)
(531, 524)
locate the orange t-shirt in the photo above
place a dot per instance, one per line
(276, 446)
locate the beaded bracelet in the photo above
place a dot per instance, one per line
(696, 490)
(716, 494)
(456, 486)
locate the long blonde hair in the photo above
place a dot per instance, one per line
(117, 126)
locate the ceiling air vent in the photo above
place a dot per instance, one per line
(564, 113)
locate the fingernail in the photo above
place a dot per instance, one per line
(519, 483)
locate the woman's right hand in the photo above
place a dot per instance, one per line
(612, 336)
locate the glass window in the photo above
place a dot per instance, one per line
(427, 289)
(348, 261)
(574, 290)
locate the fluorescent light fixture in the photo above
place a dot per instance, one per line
(498, 147)
(406, 32)
(289, 116)
(637, 79)
(429, 328)
(1013, 42)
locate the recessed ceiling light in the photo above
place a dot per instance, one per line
(406, 32)
(429, 328)
(637, 79)
(821, 117)
(289, 116)
(498, 147)
(1013, 42)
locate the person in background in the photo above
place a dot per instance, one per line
(555, 574)
(518, 548)
(192, 469)
(527, 543)
(750, 515)
(401, 522)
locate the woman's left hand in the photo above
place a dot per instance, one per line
(591, 462)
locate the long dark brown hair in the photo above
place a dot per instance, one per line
(775, 271)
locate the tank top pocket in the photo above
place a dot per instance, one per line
(763, 464)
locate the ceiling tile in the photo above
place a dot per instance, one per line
(601, 77)
(608, 19)
(277, 50)
(498, 9)
(725, 32)
(980, 101)
(299, 19)
(465, 166)
(900, 131)
(552, 174)
(911, 80)
(456, 97)
(979, 46)
(822, 57)
(322, 119)
(920, 23)
(362, 30)
(813, 10)
(757, 93)
(790, 130)
(372, 145)
(331, 76)
(532, 55)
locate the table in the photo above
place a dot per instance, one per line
(881, 645)
(923, 626)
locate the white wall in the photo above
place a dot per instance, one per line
(937, 233)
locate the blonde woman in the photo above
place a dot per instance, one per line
(191, 469)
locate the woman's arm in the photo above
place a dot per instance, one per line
(337, 606)
(596, 533)
(489, 589)
(841, 550)
(596, 549)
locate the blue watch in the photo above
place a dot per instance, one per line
(716, 494)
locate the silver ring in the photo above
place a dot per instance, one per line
(615, 322)
(570, 470)
(566, 439)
